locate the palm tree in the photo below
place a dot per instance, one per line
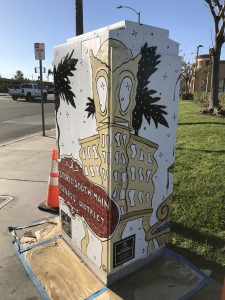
(63, 89)
(144, 97)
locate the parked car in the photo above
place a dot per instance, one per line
(28, 91)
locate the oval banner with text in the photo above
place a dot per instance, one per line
(87, 199)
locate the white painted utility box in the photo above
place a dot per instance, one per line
(116, 95)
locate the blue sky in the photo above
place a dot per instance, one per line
(25, 22)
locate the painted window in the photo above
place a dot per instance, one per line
(108, 157)
(147, 196)
(86, 170)
(124, 139)
(122, 194)
(97, 170)
(103, 141)
(89, 152)
(102, 93)
(115, 175)
(131, 197)
(92, 171)
(95, 151)
(117, 138)
(125, 93)
(148, 174)
(122, 210)
(114, 193)
(123, 159)
(132, 173)
(83, 154)
(149, 157)
(140, 196)
(133, 149)
(108, 140)
(124, 176)
(141, 155)
(103, 173)
(104, 156)
(140, 173)
(117, 157)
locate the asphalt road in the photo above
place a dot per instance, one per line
(20, 118)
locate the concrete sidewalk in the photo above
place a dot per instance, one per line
(24, 172)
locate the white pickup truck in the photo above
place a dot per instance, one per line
(28, 91)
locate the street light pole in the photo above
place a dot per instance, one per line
(79, 17)
(138, 13)
(196, 61)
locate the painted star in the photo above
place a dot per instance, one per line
(174, 117)
(165, 76)
(134, 33)
(160, 154)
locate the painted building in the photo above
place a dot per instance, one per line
(116, 114)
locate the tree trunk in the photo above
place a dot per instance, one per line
(214, 99)
(79, 17)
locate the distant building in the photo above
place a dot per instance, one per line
(202, 80)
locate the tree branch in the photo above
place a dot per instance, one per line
(215, 17)
(218, 4)
(220, 34)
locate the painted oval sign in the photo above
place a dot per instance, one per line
(87, 199)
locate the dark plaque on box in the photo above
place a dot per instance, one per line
(66, 223)
(123, 250)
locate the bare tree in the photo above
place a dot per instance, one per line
(217, 9)
(187, 70)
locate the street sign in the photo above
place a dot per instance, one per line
(39, 49)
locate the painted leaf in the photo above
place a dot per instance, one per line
(90, 107)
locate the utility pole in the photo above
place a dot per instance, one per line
(196, 62)
(79, 17)
(39, 49)
(42, 99)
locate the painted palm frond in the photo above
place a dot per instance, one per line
(90, 107)
(156, 113)
(144, 97)
(63, 90)
(62, 82)
(147, 64)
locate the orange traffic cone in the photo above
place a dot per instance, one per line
(52, 200)
(223, 291)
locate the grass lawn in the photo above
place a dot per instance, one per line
(198, 218)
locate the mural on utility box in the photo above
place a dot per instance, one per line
(107, 190)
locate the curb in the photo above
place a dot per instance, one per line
(24, 138)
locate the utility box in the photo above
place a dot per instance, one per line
(116, 98)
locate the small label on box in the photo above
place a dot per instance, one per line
(123, 250)
(66, 223)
